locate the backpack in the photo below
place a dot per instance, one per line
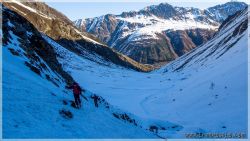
(76, 89)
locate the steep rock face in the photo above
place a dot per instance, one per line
(35, 48)
(149, 50)
(130, 32)
(59, 28)
(106, 27)
(185, 40)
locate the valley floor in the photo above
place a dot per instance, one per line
(208, 97)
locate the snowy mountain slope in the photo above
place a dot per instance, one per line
(36, 51)
(58, 27)
(36, 103)
(221, 12)
(211, 74)
(33, 111)
(205, 91)
(149, 35)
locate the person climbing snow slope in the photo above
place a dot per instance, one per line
(77, 92)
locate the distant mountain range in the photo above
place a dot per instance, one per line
(158, 33)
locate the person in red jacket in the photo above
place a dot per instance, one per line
(77, 92)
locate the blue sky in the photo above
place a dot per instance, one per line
(85, 9)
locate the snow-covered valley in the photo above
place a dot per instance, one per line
(204, 91)
(199, 91)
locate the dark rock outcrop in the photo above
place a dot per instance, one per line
(36, 48)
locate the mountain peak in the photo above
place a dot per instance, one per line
(222, 11)
(164, 4)
(163, 10)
